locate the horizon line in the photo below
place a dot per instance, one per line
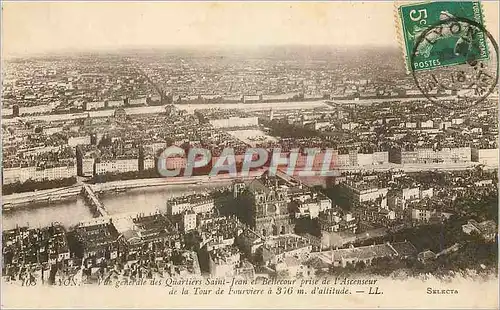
(213, 47)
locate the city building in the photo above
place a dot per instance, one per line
(486, 229)
(198, 203)
(223, 262)
(278, 248)
(366, 254)
(38, 174)
(116, 166)
(188, 220)
(361, 191)
(487, 157)
(27, 247)
(235, 122)
(264, 206)
(98, 241)
(333, 221)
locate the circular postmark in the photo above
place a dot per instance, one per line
(455, 63)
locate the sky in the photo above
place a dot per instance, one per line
(44, 27)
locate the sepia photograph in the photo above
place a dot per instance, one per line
(249, 154)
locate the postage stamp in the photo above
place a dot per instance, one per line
(450, 54)
(448, 43)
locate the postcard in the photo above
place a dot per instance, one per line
(234, 154)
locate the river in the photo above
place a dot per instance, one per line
(150, 199)
(292, 105)
(71, 212)
(67, 212)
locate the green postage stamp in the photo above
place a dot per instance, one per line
(442, 34)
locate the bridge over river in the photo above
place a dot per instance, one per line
(94, 202)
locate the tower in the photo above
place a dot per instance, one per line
(267, 208)
(238, 187)
(15, 110)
